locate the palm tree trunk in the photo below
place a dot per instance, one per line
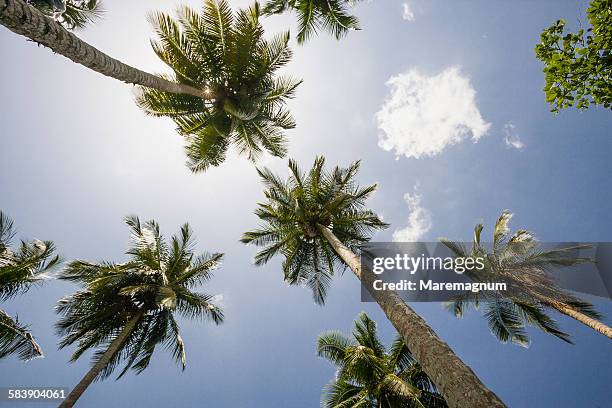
(91, 375)
(456, 381)
(23, 19)
(581, 317)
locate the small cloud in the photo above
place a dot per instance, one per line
(219, 301)
(511, 138)
(425, 114)
(407, 13)
(419, 219)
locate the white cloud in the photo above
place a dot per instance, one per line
(407, 13)
(511, 138)
(419, 219)
(220, 301)
(424, 114)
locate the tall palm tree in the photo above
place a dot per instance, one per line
(124, 311)
(370, 376)
(20, 269)
(223, 88)
(519, 260)
(71, 14)
(317, 221)
(315, 15)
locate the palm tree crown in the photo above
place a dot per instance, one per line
(71, 14)
(520, 261)
(315, 15)
(227, 57)
(19, 270)
(154, 284)
(370, 376)
(295, 212)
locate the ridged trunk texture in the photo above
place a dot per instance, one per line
(456, 382)
(91, 375)
(23, 19)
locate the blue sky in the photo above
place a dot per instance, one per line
(76, 155)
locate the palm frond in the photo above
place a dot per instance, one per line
(505, 322)
(535, 315)
(330, 15)
(342, 394)
(333, 346)
(16, 339)
(75, 14)
(501, 228)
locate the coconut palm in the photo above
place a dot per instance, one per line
(370, 376)
(519, 260)
(317, 221)
(125, 310)
(223, 90)
(20, 269)
(314, 15)
(70, 13)
(229, 58)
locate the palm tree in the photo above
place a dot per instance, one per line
(124, 311)
(228, 58)
(20, 269)
(370, 376)
(71, 14)
(223, 88)
(314, 15)
(519, 260)
(317, 221)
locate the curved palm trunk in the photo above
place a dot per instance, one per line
(91, 375)
(581, 317)
(20, 18)
(568, 310)
(456, 381)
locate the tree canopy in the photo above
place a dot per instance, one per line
(518, 259)
(578, 66)
(293, 213)
(20, 269)
(227, 56)
(156, 283)
(369, 375)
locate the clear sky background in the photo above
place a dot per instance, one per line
(77, 155)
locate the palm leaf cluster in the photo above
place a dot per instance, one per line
(15, 338)
(19, 270)
(316, 15)
(518, 259)
(153, 285)
(297, 208)
(71, 14)
(368, 375)
(244, 100)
